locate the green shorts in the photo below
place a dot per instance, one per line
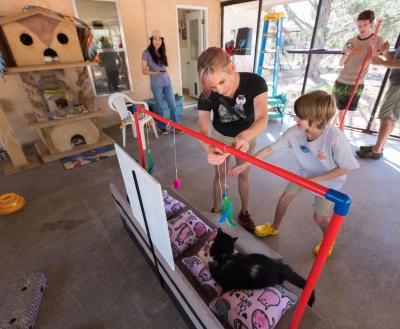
(342, 93)
(229, 140)
(322, 206)
(390, 108)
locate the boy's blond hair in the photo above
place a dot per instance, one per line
(316, 107)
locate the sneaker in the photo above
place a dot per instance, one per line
(316, 249)
(369, 154)
(265, 230)
(246, 221)
(163, 131)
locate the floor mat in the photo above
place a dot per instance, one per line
(84, 158)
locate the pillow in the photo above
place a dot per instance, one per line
(185, 231)
(259, 308)
(172, 206)
(202, 274)
(203, 252)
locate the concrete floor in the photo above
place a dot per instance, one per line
(97, 278)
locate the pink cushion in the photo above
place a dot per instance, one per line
(259, 308)
(172, 206)
(202, 274)
(185, 231)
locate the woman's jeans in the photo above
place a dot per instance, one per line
(159, 92)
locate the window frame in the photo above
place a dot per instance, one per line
(123, 49)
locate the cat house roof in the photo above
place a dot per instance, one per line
(32, 11)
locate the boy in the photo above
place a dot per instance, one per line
(353, 56)
(322, 152)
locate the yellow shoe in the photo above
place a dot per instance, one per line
(265, 230)
(316, 249)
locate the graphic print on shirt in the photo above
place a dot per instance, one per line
(237, 111)
(321, 155)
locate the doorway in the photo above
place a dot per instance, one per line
(192, 27)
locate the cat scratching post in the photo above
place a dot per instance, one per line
(19, 161)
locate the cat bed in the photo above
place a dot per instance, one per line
(185, 231)
(171, 205)
(183, 288)
(259, 308)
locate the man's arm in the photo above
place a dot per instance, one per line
(390, 63)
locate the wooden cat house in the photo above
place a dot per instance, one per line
(39, 36)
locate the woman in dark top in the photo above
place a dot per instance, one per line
(238, 103)
(154, 63)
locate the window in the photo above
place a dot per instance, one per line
(111, 74)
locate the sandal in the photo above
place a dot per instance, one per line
(266, 230)
(366, 148)
(369, 154)
(246, 221)
(316, 249)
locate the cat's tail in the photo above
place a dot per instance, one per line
(289, 275)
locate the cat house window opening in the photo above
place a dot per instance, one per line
(112, 74)
(77, 140)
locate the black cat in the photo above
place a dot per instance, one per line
(234, 270)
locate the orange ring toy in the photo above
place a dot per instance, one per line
(10, 203)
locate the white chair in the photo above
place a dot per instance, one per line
(117, 102)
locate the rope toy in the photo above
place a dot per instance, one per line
(149, 155)
(10, 203)
(226, 203)
(177, 184)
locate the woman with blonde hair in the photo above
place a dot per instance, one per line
(238, 103)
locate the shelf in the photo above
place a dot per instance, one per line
(52, 66)
(47, 157)
(10, 169)
(34, 124)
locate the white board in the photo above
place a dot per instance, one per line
(153, 204)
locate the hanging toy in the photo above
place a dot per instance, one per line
(149, 155)
(226, 203)
(177, 184)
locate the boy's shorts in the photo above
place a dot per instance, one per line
(229, 140)
(390, 108)
(322, 206)
(342, 93)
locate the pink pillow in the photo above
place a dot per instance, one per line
(185, 231)
(172, 206)
(202, 274)
(259, 308)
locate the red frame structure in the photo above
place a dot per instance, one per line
(342, 203)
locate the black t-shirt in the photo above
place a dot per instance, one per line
(240, 116)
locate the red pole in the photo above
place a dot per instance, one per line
(303, 182)
(353, 91)
(327, 243)
(139, 138)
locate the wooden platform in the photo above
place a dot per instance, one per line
(48, 157)
(33, 123)
(52, 66)
(10, 169)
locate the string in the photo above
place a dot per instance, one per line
(176, 165)
(219, 181)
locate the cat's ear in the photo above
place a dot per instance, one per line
(219, 231)
(234, 239)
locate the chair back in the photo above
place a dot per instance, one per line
(116, 102)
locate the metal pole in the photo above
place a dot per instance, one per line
(311, 46)
(257, 32)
